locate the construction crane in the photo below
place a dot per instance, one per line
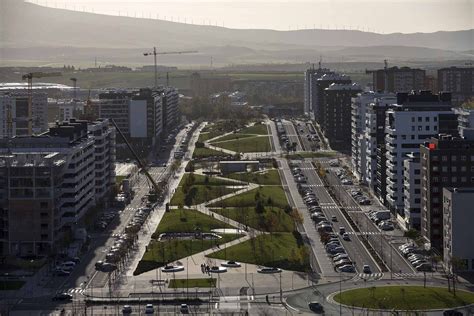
(29, 77)
(155, 53)
(155, 190)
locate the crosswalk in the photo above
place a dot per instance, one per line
(76, 290)
(407, 275)
(368, 276)
(365, 233)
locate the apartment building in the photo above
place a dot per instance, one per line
(446, 162)
(170, 100)
(336, 114)
(14, 116)
(360, 121)
(395, 79)
(412, 192)
(321, 84)
(87, 152)
(457, 222)
(415, 118)
(310, 76)
(459, 81)
(30, 202)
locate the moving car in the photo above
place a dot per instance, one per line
(184, 308)
(366, 269)
(316, 307)
(62, 297)
(346, 237)
(231, 264)
(269, 270)
(126, 309)
(149, 309)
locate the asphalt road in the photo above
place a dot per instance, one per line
(292, 134)
(354, 248)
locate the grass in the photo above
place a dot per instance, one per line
(201, 153)
(189, 283)
(187, 221)
(11, 285)
(282, 250)
(318, 154)
(119, 179)
(247, 145)
(404, 297)
(232, 136)
(260, 129)
(159, 253)
(201, 191)
(247, 199)
(268, 177)
(282, 222)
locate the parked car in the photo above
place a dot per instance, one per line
(269, 270)
(340, 256)
(126, 309)
(346, 236)
(342, 230)
(334, 218)
(60, 272)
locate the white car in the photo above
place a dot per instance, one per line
(216, 269)
(231, 264)
(172, 269)
(269, 270)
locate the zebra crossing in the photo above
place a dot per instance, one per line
(368, 276)
(76, 290)
(407, 275)
(365, 233)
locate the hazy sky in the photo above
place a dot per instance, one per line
(383, 16)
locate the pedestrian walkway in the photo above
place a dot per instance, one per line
(368, 276)
(365, 233)
(76, 290)
(408, 275)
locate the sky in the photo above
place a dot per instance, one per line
(381, 16)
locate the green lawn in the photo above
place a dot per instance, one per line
(260, 129)
(268, 177)
(282, 222)
(247, 145)
(201, 153)
(282, 250)
(203, 189)
(231, 137)
(203, 136)
(404, 297)
(187, 221)
(11, 285)
(248, 199)
(190, 283)
(159, 253)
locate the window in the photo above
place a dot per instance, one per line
(454, 169)
(427, 119)
(454, 179)
(417, 181)
(412, 137)
(417, 191)
(444, 179)
(420, 128)
(427, 127)
(435, 189)
(463, 158)
(44, 205)
(444, 169)
(404, 137)
(472, 168)
(435, 119)
(463, 179)
(417, 200)
(463, 169)
(413, 119)
(444, 158)
(454, 158)
(420, 119)
(412, 128)
(435, 128)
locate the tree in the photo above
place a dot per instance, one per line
(259, 207)
(296, 215)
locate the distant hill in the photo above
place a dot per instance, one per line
(78, 36)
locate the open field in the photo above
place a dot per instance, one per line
(187, 221)
(159, 253)
(282, 250)
(248, 199)
(268, 177)
(260, 129)
(404, 297)
(247, 144)
(271, 219)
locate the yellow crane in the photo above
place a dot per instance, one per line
(29, 77)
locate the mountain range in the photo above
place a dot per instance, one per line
(32, 32)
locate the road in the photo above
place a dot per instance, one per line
(292, 134)
(354, 248)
